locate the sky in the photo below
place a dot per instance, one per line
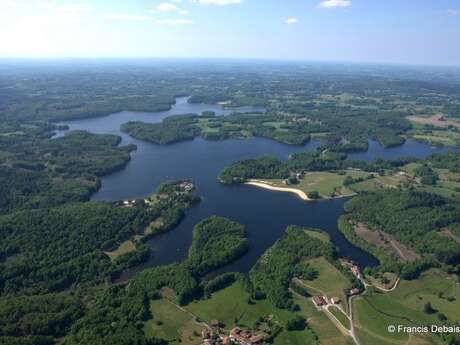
(381, 31)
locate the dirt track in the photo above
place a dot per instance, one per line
(381, 239)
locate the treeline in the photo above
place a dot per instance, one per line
(449, 161)
(273, 272)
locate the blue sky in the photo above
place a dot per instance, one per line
(388, 31)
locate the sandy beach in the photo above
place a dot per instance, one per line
(266, 185)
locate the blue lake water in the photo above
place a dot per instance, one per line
(264, 213)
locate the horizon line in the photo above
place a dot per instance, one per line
(235, 59)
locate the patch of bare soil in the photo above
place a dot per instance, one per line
(436, 120)
(381, 239)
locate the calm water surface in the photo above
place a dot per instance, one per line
(265, 214)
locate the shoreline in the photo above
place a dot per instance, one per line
(301, 194)
(265, 185)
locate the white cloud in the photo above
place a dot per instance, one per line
(167, 7)
(453, 12)
(74, 8)
(334, 3)
(174, 21)
(291, 20)
(218, 2)
(126, 17)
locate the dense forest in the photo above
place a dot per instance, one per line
(50, 249)
(216, 241)
(57, 256)
(36, 171)
(413, 218)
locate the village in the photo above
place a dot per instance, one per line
(212, 334)
(237, 336)
(182, 187)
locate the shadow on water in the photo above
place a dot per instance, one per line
(265, 214)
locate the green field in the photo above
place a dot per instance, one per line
(435, 286)
(330, 184)
(340, 316)
(330, 280)
(276, 124)
(230, 307)
(387, 181)
(123, 248)
(375, 312)
(448, 185)
(320, 235)
(437, 137)
(326, 331)
(327, 184)
(411, 167)
(172, 324)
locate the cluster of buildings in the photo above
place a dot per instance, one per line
(294, 178)
(237, 336)
(129, 203)
(354, 292)
(321, 301)
(186, 186)
(354, 269)
(245, 337)
(356, 272)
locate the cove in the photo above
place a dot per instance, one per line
(265, 214)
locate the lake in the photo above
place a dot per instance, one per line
(264, 213)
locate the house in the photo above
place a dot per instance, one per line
(245, 337)
(319, 301)
(335, 300)
(354, 292)
(256, 339)
(206, 333)
(186, 186)
(356, 271)
(226, 340)
(129, 203)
